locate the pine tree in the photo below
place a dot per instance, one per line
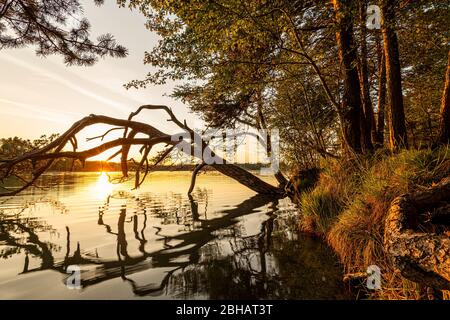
(44, 24)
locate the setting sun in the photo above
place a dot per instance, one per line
(102, 187)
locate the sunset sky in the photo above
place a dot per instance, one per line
(43, 96)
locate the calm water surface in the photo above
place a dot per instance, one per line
(223, 242)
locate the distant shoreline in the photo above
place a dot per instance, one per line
(99, 166)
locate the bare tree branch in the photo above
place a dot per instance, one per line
(194, 176)
(42, 158)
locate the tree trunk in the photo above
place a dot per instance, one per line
(381, 94)
(368, 124)
(247, 179)
(444, 121)
(263, 125)
(422, 257)
(53, 150)
(350, 113)
(397, 128)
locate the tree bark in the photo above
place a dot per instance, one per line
(397, 127)
(351, 103)
(381, 94)
(368, 124)
(444, 121)
(263, 125)
(421, 257)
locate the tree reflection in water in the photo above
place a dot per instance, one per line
(212, 258)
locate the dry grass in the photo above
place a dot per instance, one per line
(348, 206)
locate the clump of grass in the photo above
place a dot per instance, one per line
(325, 202)
(348, 206)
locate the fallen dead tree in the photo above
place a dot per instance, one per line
(417, 237)
(39, 161)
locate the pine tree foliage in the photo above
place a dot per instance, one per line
(54, 27)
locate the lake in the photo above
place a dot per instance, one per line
(222, 242)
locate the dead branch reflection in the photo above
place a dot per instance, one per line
(216, 257)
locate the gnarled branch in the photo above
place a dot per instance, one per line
(43, 158)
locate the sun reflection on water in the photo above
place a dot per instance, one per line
(102, 187)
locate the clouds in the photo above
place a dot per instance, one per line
(43, 96)
(14, 109)
(70, 80)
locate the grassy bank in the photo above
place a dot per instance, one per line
(349, 203)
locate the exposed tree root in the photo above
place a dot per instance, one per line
(422, 257)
